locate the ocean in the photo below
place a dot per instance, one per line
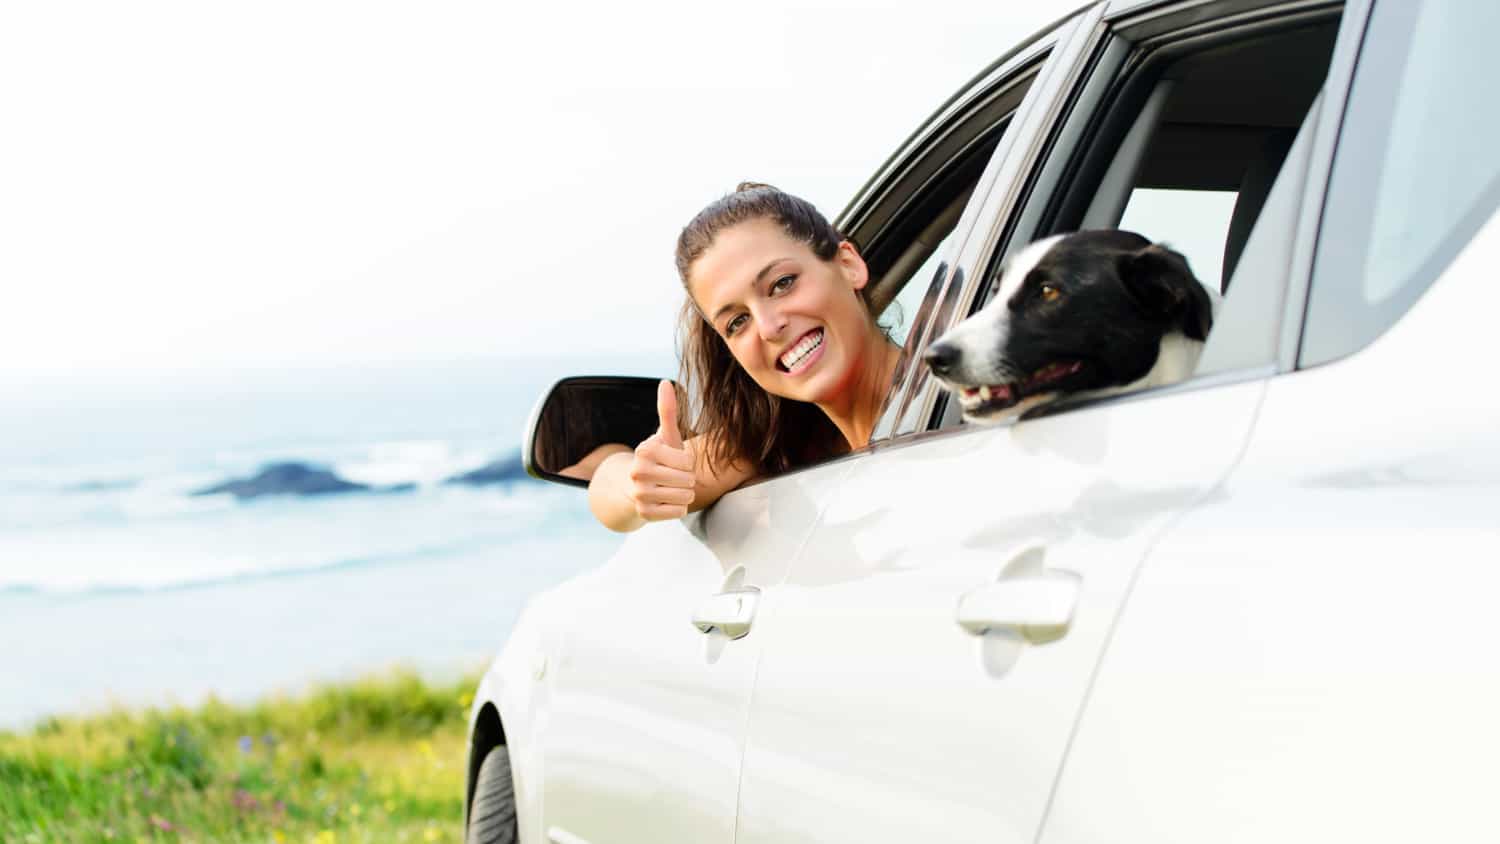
(119, 586)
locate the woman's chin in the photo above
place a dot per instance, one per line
(817, 384)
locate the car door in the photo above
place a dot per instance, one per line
(646, 686)
(645, 714)
(1309, 655)
(936, 639)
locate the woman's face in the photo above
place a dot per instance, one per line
(793, 321)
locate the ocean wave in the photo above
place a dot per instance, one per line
(224, 540)
(101, 485)
(422, 462)
(234, 578)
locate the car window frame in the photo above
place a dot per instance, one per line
(1122, 27)
(911, 402)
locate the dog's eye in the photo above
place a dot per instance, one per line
(1049, 293)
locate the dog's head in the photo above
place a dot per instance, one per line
(1081, 312)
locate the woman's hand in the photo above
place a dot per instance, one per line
(661, 473)
(659, 480)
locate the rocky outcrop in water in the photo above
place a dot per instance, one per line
(294, 479)
(500, 471)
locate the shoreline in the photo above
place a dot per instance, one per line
(244, 640)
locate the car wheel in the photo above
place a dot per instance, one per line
(492, 818)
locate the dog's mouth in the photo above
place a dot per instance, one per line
(988, 399)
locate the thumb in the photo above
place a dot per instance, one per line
(666, 409)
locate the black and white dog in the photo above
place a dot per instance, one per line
(1088, 313)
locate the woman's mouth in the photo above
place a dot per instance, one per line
(803, 353)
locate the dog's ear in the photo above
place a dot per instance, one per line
(1162, 284)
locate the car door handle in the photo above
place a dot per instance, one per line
(1039, 606)
(730, 612)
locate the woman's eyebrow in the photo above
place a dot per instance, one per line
(759, 277)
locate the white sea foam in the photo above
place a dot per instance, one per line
(424, 462)
(156, 535)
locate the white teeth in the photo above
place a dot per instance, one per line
(984, 393)
(795, 354)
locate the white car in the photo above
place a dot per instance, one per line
(1257, 605)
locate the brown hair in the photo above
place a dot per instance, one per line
(742, 423)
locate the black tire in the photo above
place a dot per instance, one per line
(492, 818)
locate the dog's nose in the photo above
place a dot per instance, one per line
(942, 357)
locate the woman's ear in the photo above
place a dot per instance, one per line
(852, 264)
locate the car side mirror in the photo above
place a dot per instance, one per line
(578, 417)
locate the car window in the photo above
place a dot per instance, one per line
(1197, 220)
(1208, 132)
(914, 284)
(902, 312)
(1416, 172)
(1182, 139)
(1181, 135)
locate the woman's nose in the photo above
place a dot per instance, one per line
(771, 322)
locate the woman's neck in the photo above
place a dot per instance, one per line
(857, 409)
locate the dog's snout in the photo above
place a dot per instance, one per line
(942, 357)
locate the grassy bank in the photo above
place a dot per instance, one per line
(376, 760)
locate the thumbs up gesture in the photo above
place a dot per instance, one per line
(662, 473)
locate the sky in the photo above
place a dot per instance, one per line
(196, 188)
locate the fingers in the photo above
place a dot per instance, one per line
(654, 502)
(654, 450)
(661, 512)
(662, 476)
(647, 495)
(666, 411)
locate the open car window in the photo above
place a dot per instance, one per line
(909, 226)
(1208, 143)
(904, 264)
(1183, 136)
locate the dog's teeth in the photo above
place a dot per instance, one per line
(984, 393)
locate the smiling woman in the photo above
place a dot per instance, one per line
(781, 348)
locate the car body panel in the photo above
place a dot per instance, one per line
(1310, 654)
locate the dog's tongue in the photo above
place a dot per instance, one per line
(1053, 371)
(1000, 392)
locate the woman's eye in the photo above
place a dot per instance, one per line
(782, 283)
(735, 324)
(1049, 293)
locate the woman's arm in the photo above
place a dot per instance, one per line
(587, 465)
(663, 478)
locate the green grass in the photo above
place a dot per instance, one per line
(376, 760)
